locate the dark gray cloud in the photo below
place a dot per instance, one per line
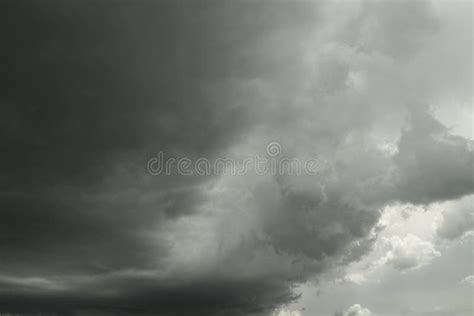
(145, 294)
(432, 165)
(91, 90)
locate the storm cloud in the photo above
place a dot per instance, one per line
(91, 90)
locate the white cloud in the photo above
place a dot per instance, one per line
(409, 252)
(469, 280)
(286, 312)
(357, 310)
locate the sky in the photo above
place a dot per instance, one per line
(376, 95)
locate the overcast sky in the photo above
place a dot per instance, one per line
(379, 93)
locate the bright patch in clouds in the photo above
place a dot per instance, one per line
(286, 312)
(409, 252)
(357, 310)
(469, 280)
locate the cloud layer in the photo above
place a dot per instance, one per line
(91, 91)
